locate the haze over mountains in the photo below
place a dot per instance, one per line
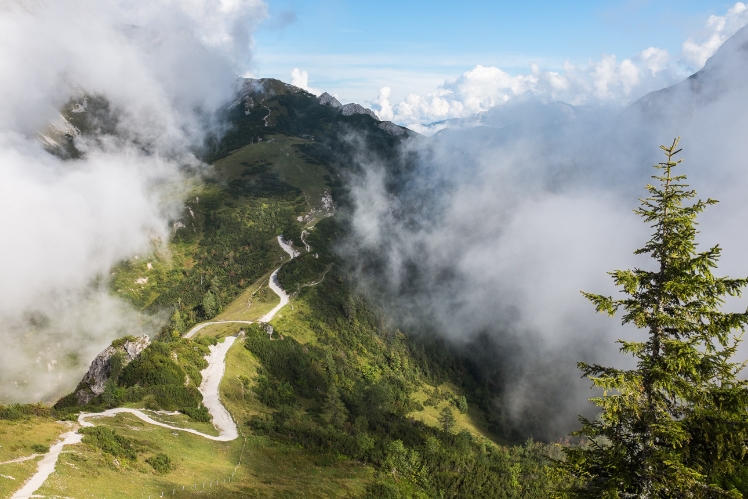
(164, 69)
(510, 214)
(293, 295)
(505, 217)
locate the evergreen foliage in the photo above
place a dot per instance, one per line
(676, 425)
(161, 463)
(110, 442)
(447, 419)
(165, 376)
(23, 411)
(348, 394)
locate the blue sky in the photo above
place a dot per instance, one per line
(353, 48)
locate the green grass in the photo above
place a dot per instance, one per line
(256, 301)
(236, 392)
(183, 421)
(267, 469)
(287, 162)
(473, 421)
(294, 322)
(86, 472)
(17, 439)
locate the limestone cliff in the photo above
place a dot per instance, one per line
(126, 349)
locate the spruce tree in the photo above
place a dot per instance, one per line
(447, 419)
(676, 425)
(334, 410)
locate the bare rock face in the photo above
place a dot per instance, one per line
(93, 381)
(351, 109)
(328, 100)
(391, 128)
(267, 328)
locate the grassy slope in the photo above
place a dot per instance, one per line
(268, 469)
(297, 324)
(16, 441)
(284, 160)
(256, 301)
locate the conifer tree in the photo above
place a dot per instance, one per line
(447, 419)
(334, 410)
(676, 425)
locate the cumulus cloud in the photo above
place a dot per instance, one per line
(300, 79)
(607, 81)
(383, 102)
(700, 47)
(163, 68)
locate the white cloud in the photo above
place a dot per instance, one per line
(384, 108)
(164, 68)
(300, 79)
(700, 47)
(221, 24)
(606, 81)
(495, 231)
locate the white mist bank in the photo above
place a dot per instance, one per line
(164, 68)
(501, 225)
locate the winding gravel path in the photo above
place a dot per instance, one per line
(222, 420)
(209, 388)
(47, 465)
(274, 286)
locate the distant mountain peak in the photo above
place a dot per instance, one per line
(328, 100)
(391, 128)
(352, 108)
(726, 71)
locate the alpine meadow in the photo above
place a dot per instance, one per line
(269, 249)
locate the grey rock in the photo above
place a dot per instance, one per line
(391, 128)
(268, 329)
(351, 109)
(92, 384)
(328, 100)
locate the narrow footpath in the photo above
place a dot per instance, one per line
(209, 389)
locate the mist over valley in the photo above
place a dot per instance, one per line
(206, 270)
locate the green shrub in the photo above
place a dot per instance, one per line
(110, 442)
(199, 414)
(161, 463)
(154, 366)
(462, 404)
(119, 342)
(20, 411)
(40, 448)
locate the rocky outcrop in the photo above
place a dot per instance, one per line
(328, 100)
(391, 128)
(92, 384)
(351, 109)
(268, 329)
